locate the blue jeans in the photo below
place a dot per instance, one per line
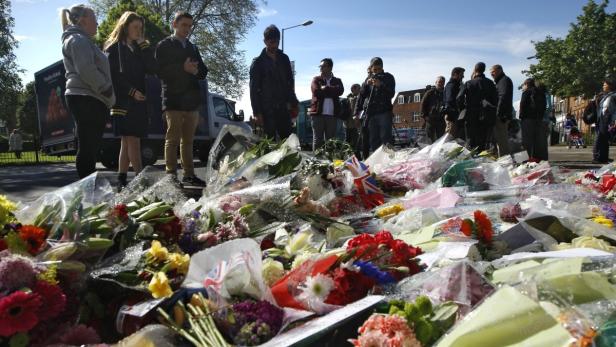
(380, 127)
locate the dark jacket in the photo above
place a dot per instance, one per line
(452, 88)
(473, 93)
(377, 100)
(272, 85)
(431, 106)
(181, 90)
(532, 104)
(128, 70)
(504, 89)
(334, 90)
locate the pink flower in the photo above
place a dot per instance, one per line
(386, 331)
(16, 272)
(80, 335)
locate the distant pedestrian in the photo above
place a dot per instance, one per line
(180, 67)
(325, 105)
(353, 124)
(89, 91)
(532, 108)
(432, 110)
(130, 58)
(272, 88)
(16, 143)
(606, 121)
(504, 109)
(451, 111)
(375, 97)
(477, 99)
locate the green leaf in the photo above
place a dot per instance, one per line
(19, 340)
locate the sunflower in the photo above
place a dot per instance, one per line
(18, 312)
(33, 236)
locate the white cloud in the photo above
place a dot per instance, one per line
(265, 12)
(21, 38)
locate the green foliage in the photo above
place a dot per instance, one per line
(219, 27)
(10, 83)
(27, 113)
(155, 30)
(577, 64)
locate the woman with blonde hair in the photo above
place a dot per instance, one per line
(130, 59)
(89, 91)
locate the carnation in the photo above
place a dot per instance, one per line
(53, 298)
(16, 272)
(386, 331)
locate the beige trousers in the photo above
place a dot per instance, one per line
(181, 126)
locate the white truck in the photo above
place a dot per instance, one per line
(57, 129)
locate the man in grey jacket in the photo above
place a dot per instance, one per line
(89, 92)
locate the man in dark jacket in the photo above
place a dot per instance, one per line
(504, 108)
(532, 109)
(477, 98)
(451, 106)
(432, 110)
(325, 104)
(375, 101)
(353, 124)
(272, 87)
(180, 69)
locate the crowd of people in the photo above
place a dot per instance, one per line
(112, 82)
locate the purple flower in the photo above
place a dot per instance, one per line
(16, 272)
(250, 311)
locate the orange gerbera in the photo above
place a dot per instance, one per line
(467, 227)
(33, 236)
(484, 226)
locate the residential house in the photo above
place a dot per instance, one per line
(407, 109)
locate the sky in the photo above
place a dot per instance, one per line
(417, 40)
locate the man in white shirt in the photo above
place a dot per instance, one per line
(325, 105)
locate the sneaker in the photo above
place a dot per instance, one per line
(193, 181)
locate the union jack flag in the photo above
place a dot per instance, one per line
(365, 184)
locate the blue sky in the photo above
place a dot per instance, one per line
(418, 40)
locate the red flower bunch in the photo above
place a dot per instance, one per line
(350, 286)
(382, 249)
(171, 230)
(120, 212)
(18, 312)
(481, 228)
(33, 236)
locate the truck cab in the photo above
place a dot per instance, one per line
(58, 129)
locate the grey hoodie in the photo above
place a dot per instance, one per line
(87, 67)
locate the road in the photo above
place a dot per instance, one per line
(27, 183)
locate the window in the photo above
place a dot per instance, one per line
(417, 97)
(401, 99)
(416, 116)
(221, 109)
(397, 119)
(410, 99)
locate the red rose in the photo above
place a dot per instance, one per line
(383, 237)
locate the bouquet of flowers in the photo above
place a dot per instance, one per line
(325, 283)
(7, 207)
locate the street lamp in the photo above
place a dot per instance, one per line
(306, 23)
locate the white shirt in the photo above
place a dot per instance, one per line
(328, 103)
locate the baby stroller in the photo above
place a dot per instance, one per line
(574, 137)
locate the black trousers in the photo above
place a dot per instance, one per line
(601, 147)
(352, 138)
(477, 135)
(90, 116)
(277, 122)
(435, 129)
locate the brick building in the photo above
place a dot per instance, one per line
(574, 105)
(407, 109)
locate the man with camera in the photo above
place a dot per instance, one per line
(375, 103)
(432, 110)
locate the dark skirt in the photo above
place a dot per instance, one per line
(135, 123)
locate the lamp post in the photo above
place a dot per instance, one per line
(306, 23)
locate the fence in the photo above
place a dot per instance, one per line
(29, 156)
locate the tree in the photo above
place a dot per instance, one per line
(10, 83)
(219, 26)
(155, 30)
(27, 113)
(577, 64)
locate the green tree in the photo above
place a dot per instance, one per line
(10, 83)
(219, 27)
(155, 30)
(27, 113)
(577, 64)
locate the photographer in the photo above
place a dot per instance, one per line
(432, 110)
(375, 99)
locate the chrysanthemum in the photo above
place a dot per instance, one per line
(16, 272)
(34, 237)
(18, 312)
(318, 286)
(52, 297)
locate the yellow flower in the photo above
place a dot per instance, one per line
(338, 163)
(157, 251)
(6, 207)
(389, 211)
(159, 286)
(603, 221)
(179, 262)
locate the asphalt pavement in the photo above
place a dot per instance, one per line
(27, 183)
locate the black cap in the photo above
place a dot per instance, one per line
(376, 61)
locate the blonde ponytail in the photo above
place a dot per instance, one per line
(73, 15)
(65, 14)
